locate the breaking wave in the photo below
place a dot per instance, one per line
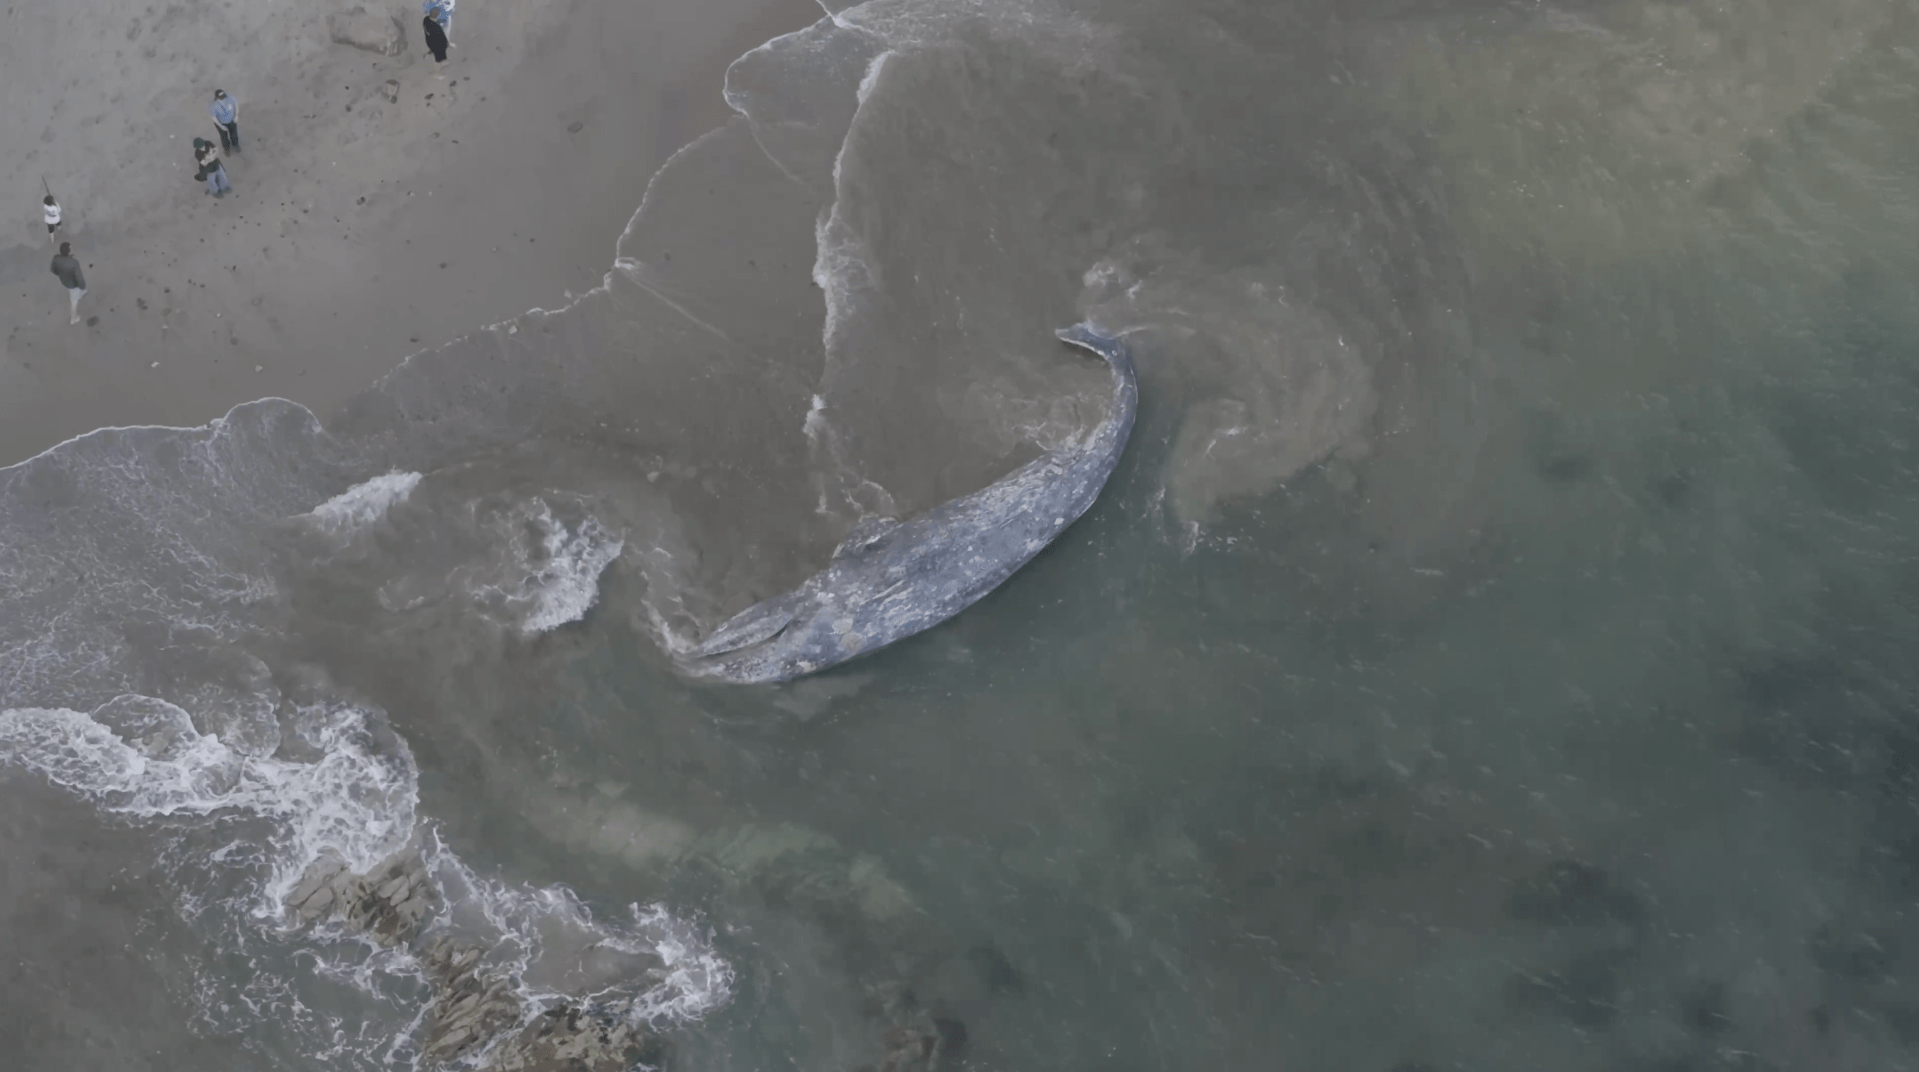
(556, 564)
(142, 758)
(350, 807)
(362, 504)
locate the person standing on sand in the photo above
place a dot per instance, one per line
(207, 155)
(226, 117)
(51, 208)
(436, 41)
(66, 268)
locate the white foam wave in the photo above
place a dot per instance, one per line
(815, 420)
(698, 980)
(653, 968)
(142, 757)
(354, 801)
(364, 503)
(871, 77)
(562, 579)
(537, 565)
(840, 266)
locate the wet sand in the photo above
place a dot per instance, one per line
(361, 228)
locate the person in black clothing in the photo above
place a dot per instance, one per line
(435, 38)
(212, 172)
(66, 268)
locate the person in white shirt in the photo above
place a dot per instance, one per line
(52, 211)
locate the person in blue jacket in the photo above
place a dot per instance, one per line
(226, 117)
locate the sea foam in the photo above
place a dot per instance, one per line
(354, 802)
(142, 758)
(562, 579)
(364, 503)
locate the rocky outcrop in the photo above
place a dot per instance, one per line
(476, 1007)
(471, 1005)
(914, 1040)
(363, 27)
(567, 1038)
(388, 904)
(476, 1017)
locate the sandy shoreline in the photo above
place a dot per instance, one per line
(362, 229)
(296, 275)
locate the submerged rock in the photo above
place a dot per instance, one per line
(566, 1038)
(476, 1006)
(912, 1038)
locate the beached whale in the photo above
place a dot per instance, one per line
(890, 579)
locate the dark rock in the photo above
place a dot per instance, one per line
(1566, 468)
(474, 1003)
(995, 971)
(1570, 892)
(1903, 1021)
(1850, 954)
(1895, 860)
(1703, 1009)
(1674, 490)
(1586, 992)
(952, 1036)
(1802, 717)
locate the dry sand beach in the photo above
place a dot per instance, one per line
(378, 209)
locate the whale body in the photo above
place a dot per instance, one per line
(889, 579)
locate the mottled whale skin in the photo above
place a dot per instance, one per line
(890, 579)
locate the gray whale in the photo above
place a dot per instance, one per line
(890, 579)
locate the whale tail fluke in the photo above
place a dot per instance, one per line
(1109, 348)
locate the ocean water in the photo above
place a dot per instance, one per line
(1492, 652)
